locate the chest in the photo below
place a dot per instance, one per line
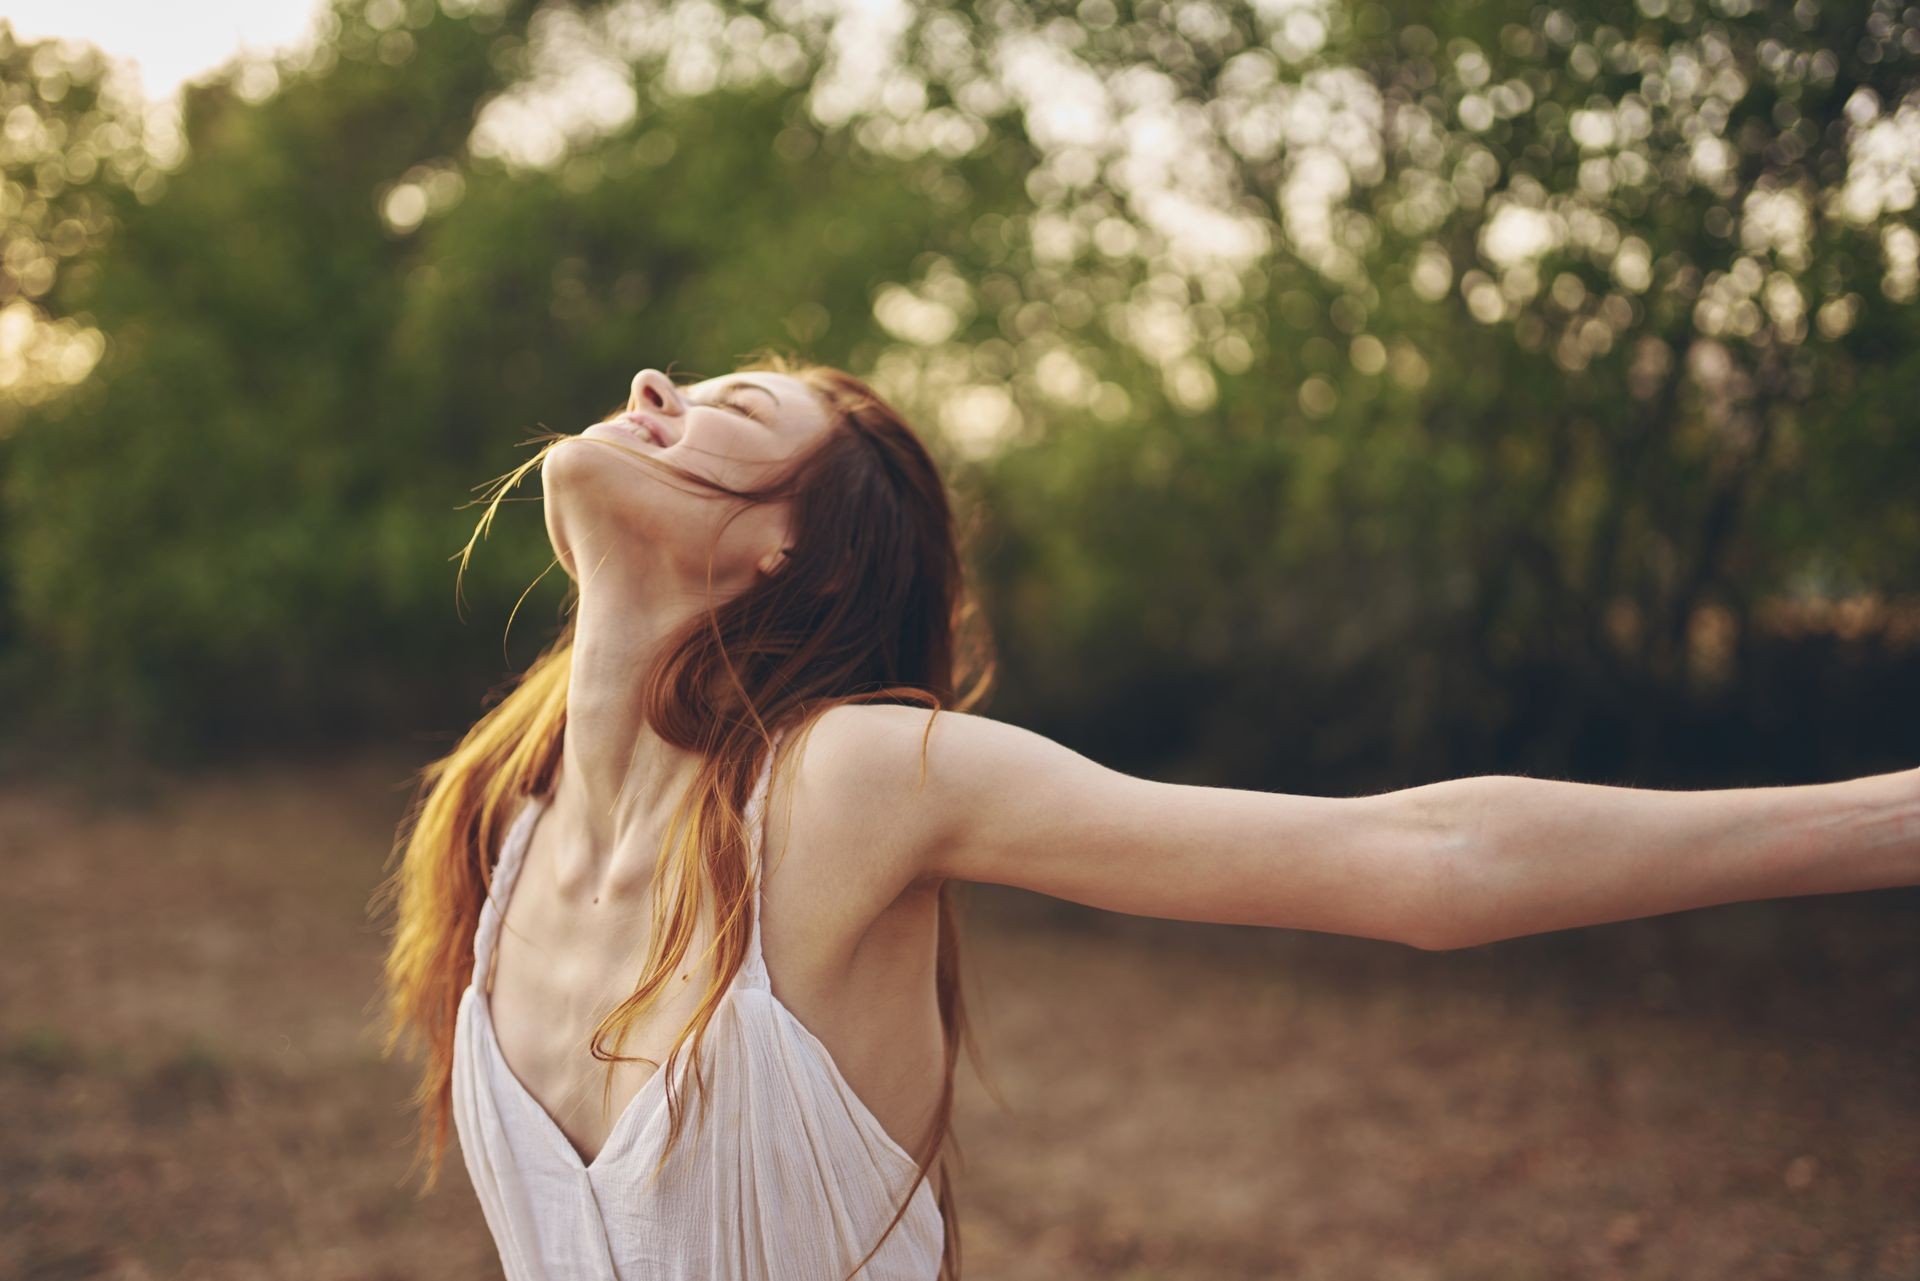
(558, 973)
(560, 967)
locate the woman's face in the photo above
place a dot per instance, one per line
(606, 511)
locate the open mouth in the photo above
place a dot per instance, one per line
(643, 427)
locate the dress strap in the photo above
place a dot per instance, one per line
(506, 871)
(756, 820)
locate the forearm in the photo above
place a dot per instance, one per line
(1527, 855)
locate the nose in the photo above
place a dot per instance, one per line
(652, 390)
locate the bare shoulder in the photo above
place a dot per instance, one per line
(847, 825)
(906, 783)
(859, 774)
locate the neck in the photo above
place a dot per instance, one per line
(618, 778)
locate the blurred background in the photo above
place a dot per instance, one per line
(1347, 396)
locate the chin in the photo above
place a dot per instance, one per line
(602, 462)
(589, 489)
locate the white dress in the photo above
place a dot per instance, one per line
(790, 1178)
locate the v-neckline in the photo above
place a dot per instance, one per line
(480, 986)
(615, 1135)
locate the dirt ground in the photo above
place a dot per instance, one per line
(189, 1087)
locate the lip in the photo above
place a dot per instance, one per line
(643, 426)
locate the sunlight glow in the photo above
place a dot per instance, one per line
(165, 46)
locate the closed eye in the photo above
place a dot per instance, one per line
(732, 404)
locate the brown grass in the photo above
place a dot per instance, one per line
(189, 1086)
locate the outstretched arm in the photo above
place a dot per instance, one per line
(1532, 855)
(1444, 865)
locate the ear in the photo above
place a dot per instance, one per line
(773, 562)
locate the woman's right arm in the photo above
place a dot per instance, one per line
(1444, 865)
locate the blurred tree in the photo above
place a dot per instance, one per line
(1518, 353)
(185, 525)
(65, 138)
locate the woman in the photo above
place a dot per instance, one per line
(766, 657)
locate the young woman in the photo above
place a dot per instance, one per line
(674, 920)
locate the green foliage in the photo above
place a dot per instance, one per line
(1593, 341)
(1525, 339)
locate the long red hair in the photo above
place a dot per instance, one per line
(873, 605)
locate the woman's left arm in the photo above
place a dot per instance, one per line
(1532, 855)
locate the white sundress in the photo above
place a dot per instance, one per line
(790, 1178)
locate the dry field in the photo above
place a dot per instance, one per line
(189, 1087)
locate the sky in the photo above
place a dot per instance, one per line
(168, 44)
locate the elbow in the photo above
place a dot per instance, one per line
(1437, 934)
(1443, 932)
(1447, 910)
